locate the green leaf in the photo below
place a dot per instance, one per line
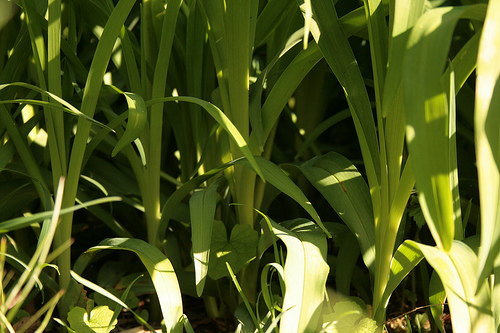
(67, 107)
(238, 251)
(276, 177)
(437, 298)
(404, 17)
(427, 115)
(159, 268)
(96, 321)
(272, 173)
(137, 119)
(338, 53)
(22, 222)
(202, 211)
(222, 119)
(486, 117)
(305, 274)
(405, 259)
(348, 317)
(341, 184)
(457, 270)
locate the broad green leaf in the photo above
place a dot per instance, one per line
(159, 268)
(427, 115)
(202, 211)
(405, 259)
(305, 274)
(341, 184)
(137, 119)
(348, 317)
(486, 119)
(238, 251)
(96, 321)
(457, 270)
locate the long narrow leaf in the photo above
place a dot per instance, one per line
(427, 115)
(487, 114)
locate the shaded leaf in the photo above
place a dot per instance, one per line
(238, 251)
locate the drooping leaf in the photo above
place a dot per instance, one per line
(339, 55)
(341, 184)
(221, 118)
(159, 268)
(137, 119)
(272, 173)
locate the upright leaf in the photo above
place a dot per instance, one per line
(486, 120)
(427, 115)
(305, 274)
(471, 311)
(202, 210)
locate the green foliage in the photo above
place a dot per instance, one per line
(174, 127)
